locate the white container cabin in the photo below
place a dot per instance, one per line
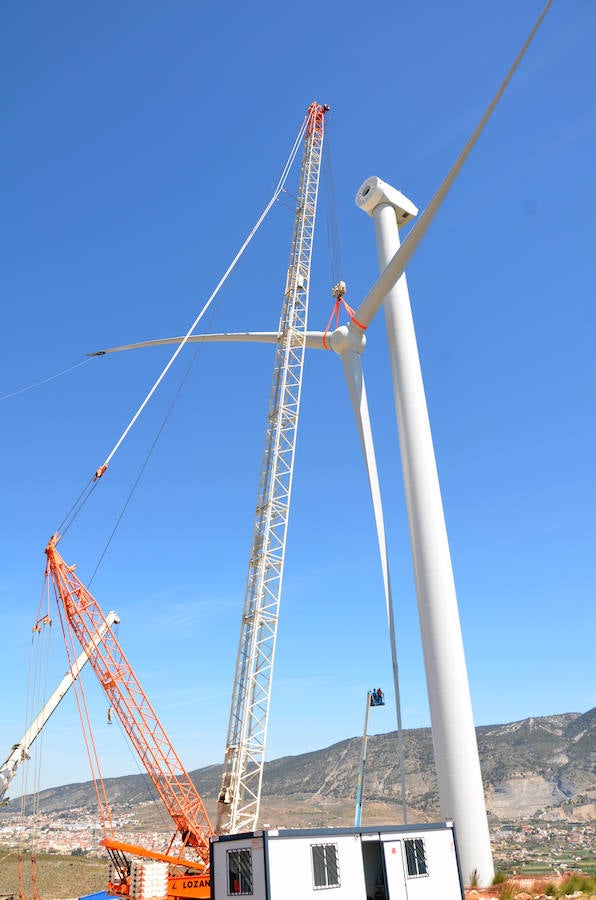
(389, 862)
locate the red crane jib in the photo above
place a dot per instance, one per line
(128, 700)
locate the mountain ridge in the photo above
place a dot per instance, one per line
(541, 767)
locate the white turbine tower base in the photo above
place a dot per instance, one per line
(459, 777)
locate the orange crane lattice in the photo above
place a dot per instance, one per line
(128, 700)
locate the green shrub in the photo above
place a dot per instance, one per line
(508, 892)
(584, 883)
(500, 877)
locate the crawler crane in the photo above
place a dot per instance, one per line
(239, 797)
(188, 876)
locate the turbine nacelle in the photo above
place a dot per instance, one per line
(374, 191)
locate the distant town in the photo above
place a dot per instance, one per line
(522, 847)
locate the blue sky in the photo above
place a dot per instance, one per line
(141, 141)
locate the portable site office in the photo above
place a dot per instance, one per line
(401, 862)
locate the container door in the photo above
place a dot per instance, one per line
(394, 869)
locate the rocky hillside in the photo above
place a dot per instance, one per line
(542, 767)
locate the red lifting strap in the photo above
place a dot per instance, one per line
(336, 308)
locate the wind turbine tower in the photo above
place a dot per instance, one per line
(454, 738)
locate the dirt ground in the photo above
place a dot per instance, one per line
(58, 877)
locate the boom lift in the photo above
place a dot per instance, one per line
(128, 700)
(240, 793)
(20, 751)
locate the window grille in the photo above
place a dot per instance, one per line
(239, 872)
(325, 865)
(416, 857)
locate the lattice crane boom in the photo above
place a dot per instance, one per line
(20, 751)
(239, 798)
(129, 702)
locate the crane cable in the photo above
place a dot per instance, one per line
(39, 656)
(36, 384)
(334, 241)
(100, 471)
(144, 464)
(148, 454)
(103, 804)
(333, 233)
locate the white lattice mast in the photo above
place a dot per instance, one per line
(239, 798)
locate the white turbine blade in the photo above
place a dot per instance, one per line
(352, 365)
(397, 266)
(314, 340)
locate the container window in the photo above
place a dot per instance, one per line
(239, 872)
(416, 857)
(325, 866)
